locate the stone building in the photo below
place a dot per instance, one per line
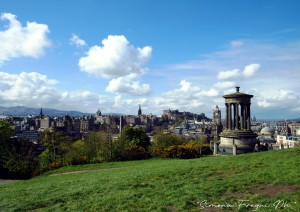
(216, 126)
(237, 137)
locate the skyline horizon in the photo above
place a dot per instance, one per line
(147, 114)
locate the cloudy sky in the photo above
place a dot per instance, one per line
(114, 55)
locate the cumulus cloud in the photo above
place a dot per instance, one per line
(281, 98)
(236, 43)
(223, 75)
(25, 87)
(78, 42)
(224, 85)
(128, 85)
(185, 86)
(17, 41)
(115, 58)
(211, 92)
(33, 89)
(187, 97)
(263, 103)
(248, 71)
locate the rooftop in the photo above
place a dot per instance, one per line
(238, 94)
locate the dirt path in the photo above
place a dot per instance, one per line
(82, 171)
(5, 181)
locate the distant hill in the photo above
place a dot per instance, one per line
(25, 111)
(297, 120)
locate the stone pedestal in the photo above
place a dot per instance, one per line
(215, 148)
(234, 149)
(244, 141)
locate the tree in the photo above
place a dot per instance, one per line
(5, 131)
(57, 146)
(133, 144)
(18, 159)
(135, 136)
(198, 143)
(99, 146)
(165, 140)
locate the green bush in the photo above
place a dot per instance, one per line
(134, 153)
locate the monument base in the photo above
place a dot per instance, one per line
(244, 140)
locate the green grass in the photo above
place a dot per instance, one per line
(165, 185)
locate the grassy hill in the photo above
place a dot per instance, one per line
(265, 181)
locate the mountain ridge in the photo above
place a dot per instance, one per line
(27, 111)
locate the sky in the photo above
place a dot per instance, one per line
(113, 55)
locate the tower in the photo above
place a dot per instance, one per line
(98, 113)
(217, 116)
(237, 137)
(217, 124)
(139, 111)
(41, 115)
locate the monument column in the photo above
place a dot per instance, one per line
(245, 116)
(230, 117)
(242, 116)
(236, 116)
(248, 117)
(226, 104)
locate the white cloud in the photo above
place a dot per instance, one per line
(223, 75)
(281, 98)
(116, 58)
(118, 99)
(75, 40)
(25, 87)
(185, 86)
(17, 41)
(211, 92)
(127, 85)
(263, 103)
(224, 85)
(250, 70)
(35, 90)
(236, 43)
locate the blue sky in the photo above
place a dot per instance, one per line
(114, 55)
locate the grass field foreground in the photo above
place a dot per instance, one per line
(265, 181)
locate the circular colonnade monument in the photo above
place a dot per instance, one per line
(237, 137)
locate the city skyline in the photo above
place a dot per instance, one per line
(115, 55)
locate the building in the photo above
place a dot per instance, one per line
(216, 126)
(285, 141)
(237, 137)
(266, 137)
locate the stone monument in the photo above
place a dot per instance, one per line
(237, 137)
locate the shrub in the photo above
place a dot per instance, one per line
(134, 153)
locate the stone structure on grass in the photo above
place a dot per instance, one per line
(237, 137)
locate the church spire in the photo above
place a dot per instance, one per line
(140, 110)
(41, 115)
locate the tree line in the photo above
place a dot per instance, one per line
(20, 158)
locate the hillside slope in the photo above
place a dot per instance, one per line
(265, 181)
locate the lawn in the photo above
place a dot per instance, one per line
(266, 181)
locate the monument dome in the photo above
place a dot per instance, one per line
(267, 130)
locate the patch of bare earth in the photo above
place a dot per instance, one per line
(83, 171)
(234, 194)
(4, 181)
(272, 191)
(211, 210)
